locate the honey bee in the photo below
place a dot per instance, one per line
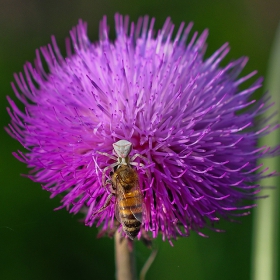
(125, 187)
(129, 200)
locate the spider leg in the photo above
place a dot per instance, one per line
(137, 164)
(138, 155)
(146, 160)
(107, 155)
(132, 162)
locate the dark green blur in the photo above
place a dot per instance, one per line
(39, 243)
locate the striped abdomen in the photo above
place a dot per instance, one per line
(130, 212)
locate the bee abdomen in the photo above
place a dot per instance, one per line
(131, 227)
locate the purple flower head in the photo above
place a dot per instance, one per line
(193, 130)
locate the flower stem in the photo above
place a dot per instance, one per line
(266, 217)
(124, 258)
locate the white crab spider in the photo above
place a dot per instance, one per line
(122, 149)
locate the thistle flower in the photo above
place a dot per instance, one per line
(184, 114)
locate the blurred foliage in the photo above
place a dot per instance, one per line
(37, 243)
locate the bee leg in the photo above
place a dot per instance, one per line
(111, 188)
(105, 205)
(108, 182)
(108, 167)
(104, 172)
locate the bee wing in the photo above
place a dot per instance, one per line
(119, 194)
(134, 195)
(117, 213)
(137, 208)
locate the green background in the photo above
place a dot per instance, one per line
(38, 243)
